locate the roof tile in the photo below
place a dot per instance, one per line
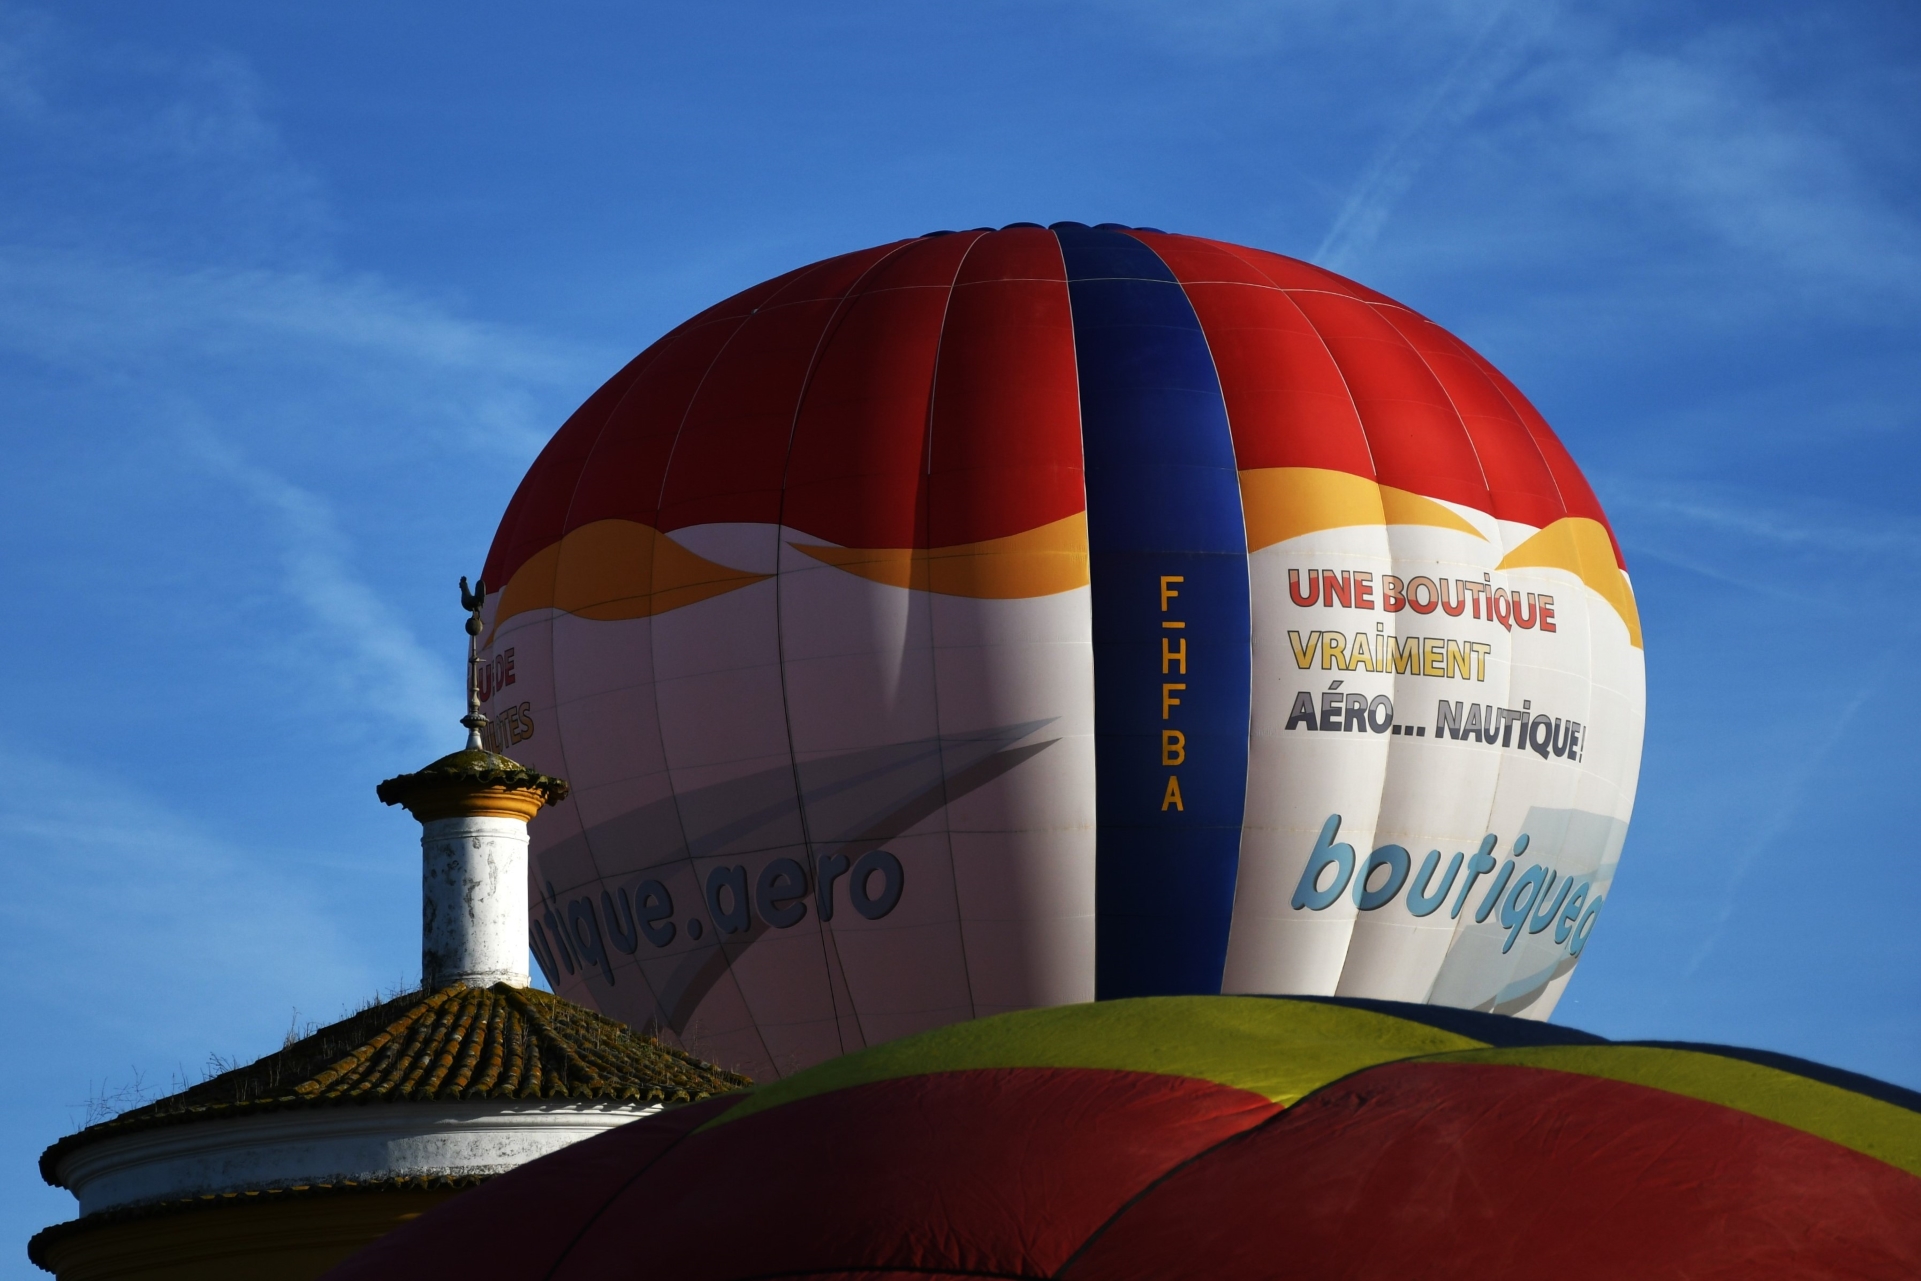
(457, 1043)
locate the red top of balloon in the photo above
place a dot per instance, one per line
(924, 393)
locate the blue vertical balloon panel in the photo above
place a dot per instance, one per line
(1171, 622)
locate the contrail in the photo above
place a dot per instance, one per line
(1792, 795)
(1452, 100)
(412, 682)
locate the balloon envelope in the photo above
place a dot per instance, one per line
(1011, 618)
(1225, 1138)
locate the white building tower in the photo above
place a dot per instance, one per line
(284, 1167)
(473, 807)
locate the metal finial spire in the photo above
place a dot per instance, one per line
(471, 601)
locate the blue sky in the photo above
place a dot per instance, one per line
(291, 295)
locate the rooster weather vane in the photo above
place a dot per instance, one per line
(471, 600)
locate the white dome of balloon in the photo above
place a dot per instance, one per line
(1012, 618)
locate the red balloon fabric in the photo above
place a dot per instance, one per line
(765, 407)
(1012, 618)
(1224, 1137)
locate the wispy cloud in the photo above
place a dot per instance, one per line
(1747, 520)
(192, 306)
(1239, 29)
(1495, 47)
(123, 906)
(1706, 141)
(1788, 796)
(216, 357)
(1560, 132)
(366, 644)
(160, 231)
(164, 326)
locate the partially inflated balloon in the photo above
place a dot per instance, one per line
(1002, 619)
(1224, 1138)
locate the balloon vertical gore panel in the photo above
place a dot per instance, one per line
(1015, 618)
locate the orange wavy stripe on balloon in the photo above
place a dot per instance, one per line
(612, 569)
(1583, 548)
(1041, 561)
(1280, 503)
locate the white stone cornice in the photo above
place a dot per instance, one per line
(329, 1143)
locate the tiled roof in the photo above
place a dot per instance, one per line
(457, 1043)
(474, 767)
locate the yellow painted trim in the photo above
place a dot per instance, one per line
(1043, 561)
(1280, 503)
(467, 800)
(613, 569)
(294, 1239)
(1583, 548)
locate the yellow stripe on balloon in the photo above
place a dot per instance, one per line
(1043, 561)
(1583, 548)
(613, 569)
(1280, 503)
(1277, 1048)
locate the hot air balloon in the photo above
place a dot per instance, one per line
(1224, 1138)
(1011, 618)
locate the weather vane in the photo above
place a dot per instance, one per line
(471, 599)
